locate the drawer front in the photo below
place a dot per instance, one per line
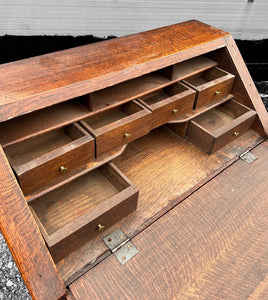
(215, 91)
(178, 106)
(211, 142)
(58, 165)
(119, 135)
(95, 227)
(235, 129)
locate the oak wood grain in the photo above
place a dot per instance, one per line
(166, 104)
(210, 85)
(33, 83)
(212, 246)
(230, 59)
(40, 122)
(24, 240)
(118, 126)
(165, 169)
(69, 216)
(37, 161)
(220, 125)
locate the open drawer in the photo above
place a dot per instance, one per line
(73, 214)
(210, 85)
(50, 157)
(169, 102)
(118, 126)
(220, 125)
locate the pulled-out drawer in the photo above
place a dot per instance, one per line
(220, 125)
(118, 126)
(50, 157)
(78, 211)
(169, 102)
(210, 85)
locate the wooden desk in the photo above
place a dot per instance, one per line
(114, 135)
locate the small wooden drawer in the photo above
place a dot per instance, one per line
(80, 210)
(210, 85)
(169, 102)
(220, 125)
(118, 126)
(50, 157)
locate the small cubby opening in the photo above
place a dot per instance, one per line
(113, 115)
(44, 120)
(205, 77)
(164, 93)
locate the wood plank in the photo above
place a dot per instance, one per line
(213, 245)
(52, 78)
(174, 169)
(40, 122)
(20, 230)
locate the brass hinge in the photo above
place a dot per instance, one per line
(121, 246)
(244, 154)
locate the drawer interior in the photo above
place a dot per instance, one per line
(73, 214)
(162, 94)
(112, 115)
(221, 115)
(71, 201)
(30, 149)
(205, 76)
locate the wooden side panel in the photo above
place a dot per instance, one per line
(244, 89)
(212, 246)
(24, 240)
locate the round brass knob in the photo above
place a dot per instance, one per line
(127, 135)
(100, 227)
(217, 93)
(62, 169)
(175, 111)
(236, 133)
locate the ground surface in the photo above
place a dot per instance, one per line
(11, 284)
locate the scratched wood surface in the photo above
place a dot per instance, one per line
(24, 240)
(211, 246)
(165, 169)
(33, 83)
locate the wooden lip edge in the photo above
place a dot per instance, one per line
(235, 122)
(56, 95)
(35, 163)
(124, 121)
(211, 83)
(168, 100)
(202, 110)
(48, 129)
(90, 167)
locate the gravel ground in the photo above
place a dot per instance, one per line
(11, 284)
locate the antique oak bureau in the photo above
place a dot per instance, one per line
(111, 136)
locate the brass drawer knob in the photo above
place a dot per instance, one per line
(236, 133)
(127, 135)
(100, 227)
(217, 93)
(175, 111)
(62, 169)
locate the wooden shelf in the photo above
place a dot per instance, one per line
(41, 121)
(189, 67)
